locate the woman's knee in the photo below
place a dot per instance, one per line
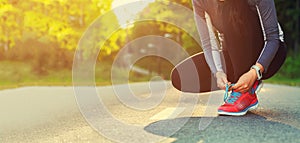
(277, 62)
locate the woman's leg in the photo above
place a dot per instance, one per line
(277, 61)
(193, 75)
(244, 48)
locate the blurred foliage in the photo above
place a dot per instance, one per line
(161, 9)
(45, 33)
(291, 68)
(156, 66)
(165, 11)
(58, 21)
(289, 17)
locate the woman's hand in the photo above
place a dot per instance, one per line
(245, 82)
(221, 79)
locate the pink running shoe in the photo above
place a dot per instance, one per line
(238, 104)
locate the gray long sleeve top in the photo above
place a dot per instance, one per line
(271, 29)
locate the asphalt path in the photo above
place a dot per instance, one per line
(153, 112)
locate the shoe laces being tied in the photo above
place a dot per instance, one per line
(234, 96)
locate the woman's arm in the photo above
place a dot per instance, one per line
(272, 36)
(208, 38)
(267, 13)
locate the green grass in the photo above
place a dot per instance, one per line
(18, 74)
(285, 81)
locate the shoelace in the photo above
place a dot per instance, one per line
(233, 96)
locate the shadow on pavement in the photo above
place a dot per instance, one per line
(248, 128)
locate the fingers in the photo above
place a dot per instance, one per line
(225, 81)
(222, 85)
(230, 88)
(241, 87)
(221, 80)
(245, 82)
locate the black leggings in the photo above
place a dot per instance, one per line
(244, 43)
(238, 65)
(233, 70)
(242, 46)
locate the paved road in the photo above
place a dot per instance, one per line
(51, 114)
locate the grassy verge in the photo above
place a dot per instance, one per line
(18, 74)
(284, 81)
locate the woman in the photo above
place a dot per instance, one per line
(252, 47)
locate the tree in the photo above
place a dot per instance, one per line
(172, 11)
(9, 30)
(59, 21)
(289, 17)
(46, 32)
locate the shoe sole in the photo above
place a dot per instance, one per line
(259, 87)
(251, 107)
